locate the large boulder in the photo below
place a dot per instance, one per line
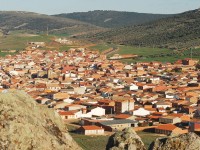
(26, 125)
(126, 140)
(189, 141)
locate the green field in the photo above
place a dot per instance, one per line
(142, 50)
(101, 47)
(147, 137)
(19, 41)
(3, 54)
(155, 54)
(100, 142)
(91, 142)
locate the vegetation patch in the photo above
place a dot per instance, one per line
(19, 42)
(91, 142)
(157, 54)
(147, 137)
(101, 47)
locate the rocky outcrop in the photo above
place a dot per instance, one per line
(26, 125)
(189, 141)
(126, 140)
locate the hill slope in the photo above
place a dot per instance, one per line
(112, 19)
(180, 31)
(26, 125)
(38, 23)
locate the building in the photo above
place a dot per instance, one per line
(141, 112)
(169, 129)
(190, 62)
(117, 125)
(74, 114)
(169, 119)
(98, 111)
(122, 106)
(90, 130)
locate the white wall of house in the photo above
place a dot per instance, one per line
(162, 106)
(94, 132)
(170, 96)
(87, 115)
(98, 111)
(127, 106)
(68, 101)
(155, 80)
(78, 115)
(141, 112)
(133, 87)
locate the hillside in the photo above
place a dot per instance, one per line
(113, 19)
(38, 23)
(26, 125)
(179, 31)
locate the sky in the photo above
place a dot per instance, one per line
(68, 6)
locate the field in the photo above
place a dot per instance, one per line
(155, 54)
(91, 142)
(88, 142)
(19, 41)
(101, 47)
(100, 142)
(3, 54)
(147, 137)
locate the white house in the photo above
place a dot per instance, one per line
(155, 80)
(91, 130)
(162, 104)
(115, 80)
(98, 111)
(128, 67)
(169, 95)
(141, 112)
(68, 100)
(70, 114)
(133, 87)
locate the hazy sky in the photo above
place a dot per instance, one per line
(67, 6)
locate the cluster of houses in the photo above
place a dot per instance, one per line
(107, 95)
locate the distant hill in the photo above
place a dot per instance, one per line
(38, 23)
(112, 19)
(179, 31)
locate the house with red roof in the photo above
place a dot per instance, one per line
(169, 129)
(73, 114)
(90, 130)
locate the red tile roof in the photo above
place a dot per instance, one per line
(92, 128)
(66, 113)
(122, 116)
(168, 127)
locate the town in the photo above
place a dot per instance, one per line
(107, 95)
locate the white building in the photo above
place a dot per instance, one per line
(133, 87)
(98, 111)
(141, 112)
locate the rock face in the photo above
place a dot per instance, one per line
(26, 125)
(189, 141)
(126, 140)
